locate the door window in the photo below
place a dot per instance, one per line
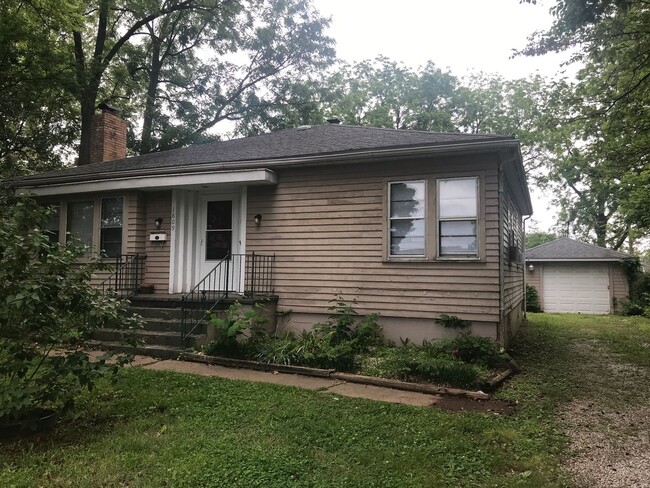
(218, 234)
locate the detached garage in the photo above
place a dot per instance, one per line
(574, 277)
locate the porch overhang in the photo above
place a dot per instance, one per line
(260, 176)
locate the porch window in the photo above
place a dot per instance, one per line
(458, 216)
(110, 236)
(52, 224)
(80, 221)
(218, 236)
(407, 218)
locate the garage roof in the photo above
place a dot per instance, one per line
(566, 249)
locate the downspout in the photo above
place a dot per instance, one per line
(502, 315)
(523, 274)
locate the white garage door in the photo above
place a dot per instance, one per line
(576, 288)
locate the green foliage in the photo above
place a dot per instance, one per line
(47, 310)
(538, 238)
(452, 322)
(418, 364)
(532, 299)
(639, 288)
(229, 330)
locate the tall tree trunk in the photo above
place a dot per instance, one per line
(87, 112)
(601, 229)
(152, 90)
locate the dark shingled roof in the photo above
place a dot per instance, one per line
(569, 250)
(304, 141)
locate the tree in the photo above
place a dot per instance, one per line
(537, 238)
(377, 93)
(602, 181)
(48, 310)
(36, 109)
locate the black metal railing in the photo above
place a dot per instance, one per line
(245, 275)
(126, 280)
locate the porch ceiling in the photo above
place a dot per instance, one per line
(261, 176)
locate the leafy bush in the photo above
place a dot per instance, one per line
(47, 310)
(532, 299)
(229, 330)
(475, 349)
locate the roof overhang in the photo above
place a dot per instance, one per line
(260, 176)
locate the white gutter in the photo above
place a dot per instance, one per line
(256, 176)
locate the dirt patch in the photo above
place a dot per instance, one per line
(609, 435)
(460, 404)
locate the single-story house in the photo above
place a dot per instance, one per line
(575, 277)
(410, 224)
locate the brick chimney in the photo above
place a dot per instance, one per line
(108, 135)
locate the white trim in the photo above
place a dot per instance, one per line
(257, 176)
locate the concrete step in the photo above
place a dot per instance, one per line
(156, 313)
(162, 352)
(150, 338)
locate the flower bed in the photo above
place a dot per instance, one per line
(349, 343)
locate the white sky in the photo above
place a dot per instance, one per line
(461, 35)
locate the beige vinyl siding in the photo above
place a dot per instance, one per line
(534, 278)
(513, 268)
(135, 222)
(328, 226)
(158, 204)
(513, 275)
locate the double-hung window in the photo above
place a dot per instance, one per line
(52, 224)
(407, 218)
(110, 236)
(458, 216)
(80, 221)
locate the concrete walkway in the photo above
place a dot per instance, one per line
(324, 385)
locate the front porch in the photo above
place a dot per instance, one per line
(176, 321)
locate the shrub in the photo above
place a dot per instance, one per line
(229, 331)
(48, 310)
(475, 349)
(532, 299)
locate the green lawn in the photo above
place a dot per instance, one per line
(166, 429)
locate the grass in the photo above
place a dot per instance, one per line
(155, 429)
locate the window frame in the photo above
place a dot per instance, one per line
(432, 221)
(477, 219)
(424, 218)
(102, 226)
(97, 207)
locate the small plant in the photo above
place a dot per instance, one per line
(452, 322)
(532, 299)
(474, 349)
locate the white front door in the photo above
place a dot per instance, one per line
(218, 242)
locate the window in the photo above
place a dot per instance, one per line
(80, 221)
(219, 230)
(52, 224)
(458, 216)
(110, 236)
(407, 218)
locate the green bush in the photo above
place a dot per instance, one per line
(229, 331)
(48, 310)
(532, 299)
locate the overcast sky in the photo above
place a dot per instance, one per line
(461, 35)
